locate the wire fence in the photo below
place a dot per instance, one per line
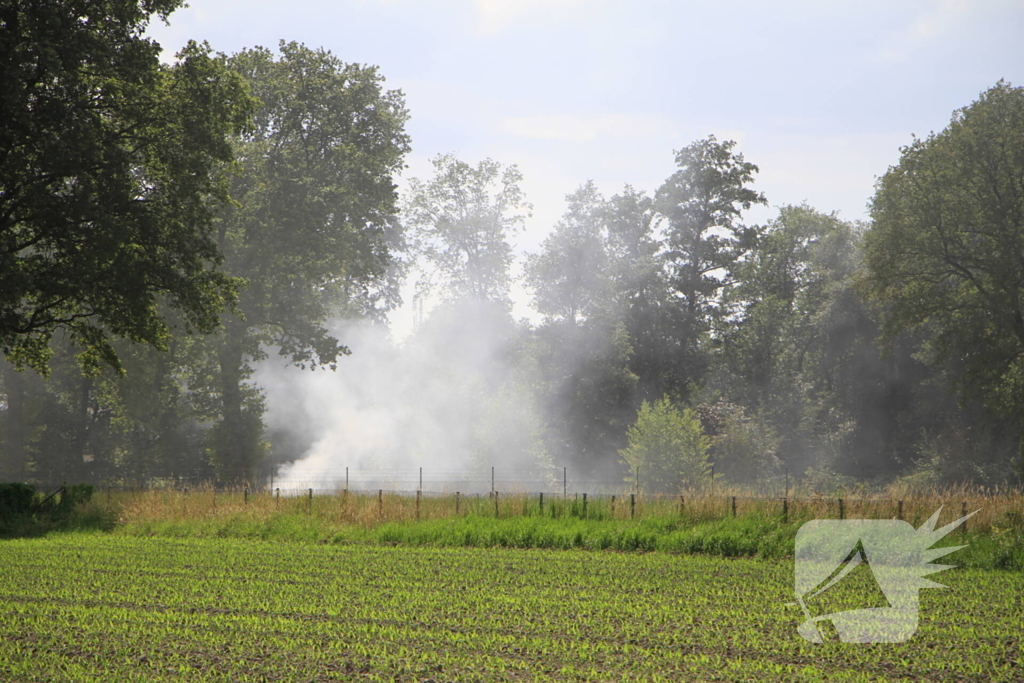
(359, 503)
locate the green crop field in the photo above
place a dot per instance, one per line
(95, 607)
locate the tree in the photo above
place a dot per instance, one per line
(946, 246)
(582, 346)
(312, 232)
(108, 165)
(660, 354)
(799, 350)
(570, 276)
(462, 220)
(669, 447)
(701, 204)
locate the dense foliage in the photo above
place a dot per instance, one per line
(671, 334)
(108, 165)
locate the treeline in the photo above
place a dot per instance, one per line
(166, 228)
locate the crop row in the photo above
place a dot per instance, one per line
(115, 608)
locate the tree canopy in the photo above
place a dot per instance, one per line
(946, 245)
(462, 220)
(312, 230)
(110, 168)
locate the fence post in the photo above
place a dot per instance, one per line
(418, 495)
(246, 495)
(899, 509)
(785, 509)
(734, 506)
(456, 503)
(565, 482)
(613, 506)
(632, 505)
(963, 513)
(584, 506)
(542, 503)
(841, 511)
(496, 513)
(309, 504)
(682, 504)
(277, 496)
(380, 503)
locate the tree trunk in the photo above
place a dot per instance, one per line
(75, 467)
(236, 444)
(12, 454)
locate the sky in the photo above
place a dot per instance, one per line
(819, 94)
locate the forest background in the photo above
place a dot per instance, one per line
(198, 259)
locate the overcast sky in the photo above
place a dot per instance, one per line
(819, 94)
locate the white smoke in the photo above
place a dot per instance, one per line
(453, 399)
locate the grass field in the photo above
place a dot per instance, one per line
(100, 607)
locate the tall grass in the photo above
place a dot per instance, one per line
(726, 523)
(994, 507)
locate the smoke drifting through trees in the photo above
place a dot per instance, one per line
(765, 334)
(452, 399)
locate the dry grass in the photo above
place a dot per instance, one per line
(999, 508)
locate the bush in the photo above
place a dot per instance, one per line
(16, 499)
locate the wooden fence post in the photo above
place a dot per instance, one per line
(380, 503)
(734, 506)
(542, 503)
(496, 513)
(309, 505)
(841, 511)
(632, 505)
(456, 503)
(785, 509)
(963, 513)
(899, 509)
(584, 506)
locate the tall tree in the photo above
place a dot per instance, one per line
(702, 203)
(313, 231)
(644, 297)
(699, 208)
(108, 163)
(582, 345)
(462, 220)
(946, 247)
(570, 276)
